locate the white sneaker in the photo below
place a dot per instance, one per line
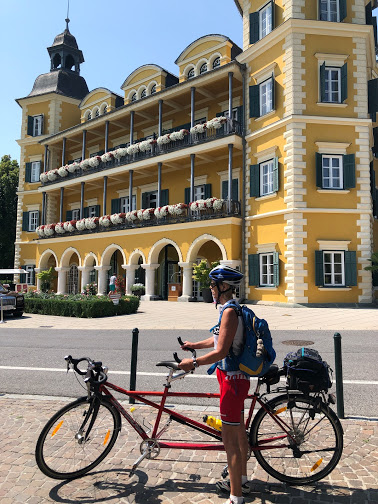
(224, 486)
(229, 501)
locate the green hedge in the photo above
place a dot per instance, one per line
(91, 308)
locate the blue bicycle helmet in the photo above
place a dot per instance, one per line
(226, 274)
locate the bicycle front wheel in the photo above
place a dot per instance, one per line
(298, 441)
(77, 438)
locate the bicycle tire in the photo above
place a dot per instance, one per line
(64, 452)
(320, 439)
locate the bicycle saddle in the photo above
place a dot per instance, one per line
(169, 364)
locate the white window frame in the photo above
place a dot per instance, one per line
(37, 125)
(191, 73)
(266, 269)
(216, 62)
(332, 273)
(332, 179)
(33, 220)
(328, 10)
(124, 205)
(328, 81)
(29, 273)
(76, 214)
(266, 90)
(266, 179)
(152, 199)
(35, 171)
(199, 192)
(92, 211)
(203, 68)
(264, 28)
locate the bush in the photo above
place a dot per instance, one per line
(82, 306)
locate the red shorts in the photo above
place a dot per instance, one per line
(233, 392)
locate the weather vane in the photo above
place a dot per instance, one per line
(68, 12)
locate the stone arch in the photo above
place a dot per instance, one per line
(109, 251)
(150, 86)
(199, 64)
(197, 244)
(87, 258)
(45, 256)
(140, 91)
(88, 115)
(95, 112)
(153, 256)
(134, 257)
(131, 94)
(103, 108)
(66, 256)
(212, 58)
(188, 68)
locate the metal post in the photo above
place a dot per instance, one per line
(131, 127)
(106, 136)
(61, 204)
(134, 360)
(339, 375)
(192, 158)
(160, 125)
(1, 309)
(64, 151)
(159, 185)
(192, 105)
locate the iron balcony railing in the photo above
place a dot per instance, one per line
(231, 127)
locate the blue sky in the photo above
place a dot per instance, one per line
(115, 36)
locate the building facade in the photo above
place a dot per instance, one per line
(261, 157)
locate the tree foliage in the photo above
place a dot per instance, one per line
(8, 210)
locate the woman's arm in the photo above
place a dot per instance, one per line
(207, 343)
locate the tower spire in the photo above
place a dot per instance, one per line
(67, 20)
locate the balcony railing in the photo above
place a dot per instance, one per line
(230, 127)
(226, 209)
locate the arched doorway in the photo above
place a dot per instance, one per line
(116, 262)
(73, 279)
(211, 252)
(168, 272)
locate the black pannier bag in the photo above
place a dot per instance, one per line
(307, 371)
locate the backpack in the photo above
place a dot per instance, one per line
(254, 328)
(307, 371)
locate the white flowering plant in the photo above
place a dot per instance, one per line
(52, 175)
(70, 226)
(40, 231)
(146, 145)
(49, 229)
(94, 161)
(59, 228)
(179, 135)
(80, 225)
(163, 139)
(133, 149)
(216, 122)
(85, 164)
(104, 221)
(43, 177)
(108, 156)
(119, 153)
(73, 167)
(62, 171)
(91, 222)
(118, 218)
(198, 128)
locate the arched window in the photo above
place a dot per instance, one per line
(191, 73)
(153, 89)
(105, 109)
(216, 62)
(57, 61)
(97, 113)
(73, 280)
(134, 97)
(143, 94)
(89, 116)
(70, 62)
(203, 68)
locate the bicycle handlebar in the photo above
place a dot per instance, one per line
(181, 343)
(92, 369)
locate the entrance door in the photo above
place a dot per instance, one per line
(169, 271)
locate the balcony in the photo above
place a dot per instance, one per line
(143, 150)
(169, 215)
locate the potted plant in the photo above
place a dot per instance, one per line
(201, 274)
(46, 277)
(138, 289)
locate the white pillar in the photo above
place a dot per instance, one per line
(85, 270)
(130, 276)
(37, 270)
(102, 288)
(150, 281)
(187, 281)
(62, 280)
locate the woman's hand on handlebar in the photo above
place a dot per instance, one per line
(188, 345)
(186, 364)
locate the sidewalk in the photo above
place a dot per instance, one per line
(170, 315)
(176, 476)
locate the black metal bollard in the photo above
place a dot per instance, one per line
(339, 375)
(134, 360)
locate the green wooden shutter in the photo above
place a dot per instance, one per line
(254, 101)
(25, 221)
(28, 172)
(349, 171)
(39, 218)
(97, 210)
(30, 125)
(164, 197)
(319, 169)
(187, 195)
(344, 83)
(373, 98)
(276, 269)
(273, 5)
(115, 205)
(342, 9)
(273, 92)
(350, 268)
(23, 278)
(144, 199)
(68, 215)
(207, 191)
(224, 189)
(254, 181)
(253, 27)
(275, 175)
(42, 123)
(319, 268)
(235, 189)
(369, 14)
(240, 114)
(322, 82)
(253, 269)
(86, 212)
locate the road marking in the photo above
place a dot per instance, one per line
(144, 373)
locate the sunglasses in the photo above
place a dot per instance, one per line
(212, 285)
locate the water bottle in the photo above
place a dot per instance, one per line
(215, 423)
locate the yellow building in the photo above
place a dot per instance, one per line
(262, 158)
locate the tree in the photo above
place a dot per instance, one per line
(8, 210)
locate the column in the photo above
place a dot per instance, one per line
(159, 185)
(230, 92)
(130, 276)
(192, 105)
(150, 281)
(104, 195)
(61, 204)
(62, 280)
(84, 144)
(43, 216)
(82, 200)
(39, 281)
(46, 161)
(102, 287)
(131, 172)
(230, 151)
(192, 157)
(132, 127)
(85, 270)
(106, 136)
(64, 151)
(160, 126)
(187, 281)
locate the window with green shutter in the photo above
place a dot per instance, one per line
(253, 269)
(319, 269)
(187, 195)
(350, 268)
(335, 268)
(344, 82)
(235, 189)
(264, 178)
(253, 27)
(254, 101)
(115, 205)
(269, 269)
(333, 83)
(349, 170)
(68, 215)
(164, 197)
(28, 167)
(335, 171)
(254, 184)
(373, 98)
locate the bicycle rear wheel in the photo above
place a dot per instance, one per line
(306, 449)
(77, 438)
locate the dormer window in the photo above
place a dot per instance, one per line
(89, 116)
(153, 89)
(97, 113)
(134, 97)
(143, 94)
(105, 109)
(191, 73)
(203, 68)
(216, 62)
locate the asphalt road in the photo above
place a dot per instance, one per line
(32, 361)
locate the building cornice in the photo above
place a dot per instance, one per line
(30, 100)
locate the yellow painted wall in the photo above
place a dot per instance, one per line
(70, 115)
